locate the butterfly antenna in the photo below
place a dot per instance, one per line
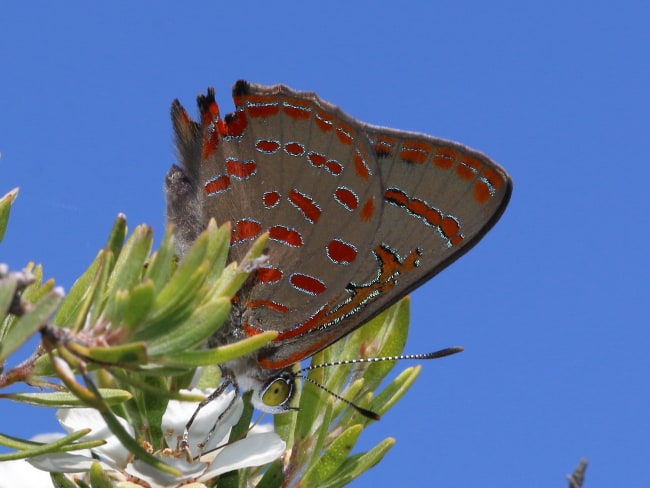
(363, 411)
(369, 413)
(429, 355)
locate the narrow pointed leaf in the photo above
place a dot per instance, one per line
(30, 323)
(65, 400)
(358, 464)
(202, 324)
(220, 354)
(5, 208)
(332, 459)
(141, 300)
(117, 235)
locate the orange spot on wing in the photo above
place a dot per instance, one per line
(287, 236)
(368, 209)
(360, 166)
(305, 352)
(482, 192)
(270, 198)
(493, 177)
(316, 159)
(277, 307)
(344, 133)
(307, 284)
(210, 114)
(396, 196)
(241, 169)
(267, 146)
(341, 252)
(432, 217)
(306, 205)
(324, 121)
(334, 167)
(413, 156)
(210, 143)
(297, 109)
(245, 229)
(235, 125)
(465, 172)
(261, 99)
(314, 321)
(418, 207)
(294, 149)
(268, 275)
(250, 331)
(263, 111)
(472, 162)
(449, 227)
(444, 157)
(217, 185)
(347, 198)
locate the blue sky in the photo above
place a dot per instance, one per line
(551, 306)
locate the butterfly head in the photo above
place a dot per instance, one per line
(272, 390)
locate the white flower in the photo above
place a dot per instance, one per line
(21, 473)
(258, 448)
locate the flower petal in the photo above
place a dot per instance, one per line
(113, 452)
(61, 462)
(159, 479)
(22, 473)
(255, 450)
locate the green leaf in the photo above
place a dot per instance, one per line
(8, 287)
(121, 354)
(202, 324)
(60, 480)
(152, 402)
(162, 261)
(217, 250)
(98, 478)
(37, 290)
(127, 272)
(30, 449)
(29, 324)
(5, 208)
(117, 235)
(330, 462)
(234, 275)
(218, 355)
(194, 258)
(358, 464)
(65, 400)
(140, 303)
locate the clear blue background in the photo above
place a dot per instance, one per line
(552, 305)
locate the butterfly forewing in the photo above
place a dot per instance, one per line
(357, 215)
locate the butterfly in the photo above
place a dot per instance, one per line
(357, 217)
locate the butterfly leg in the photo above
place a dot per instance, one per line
(184, 444)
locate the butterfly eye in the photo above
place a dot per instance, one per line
(278, 392)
